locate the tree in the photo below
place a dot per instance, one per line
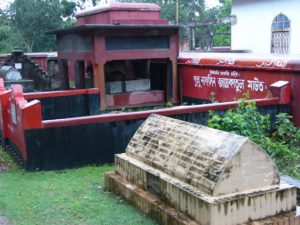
(30, 20)
(80, 3)
(222, 35)
(8, 39)
(213, 28)
(202, 26)
(26, 22)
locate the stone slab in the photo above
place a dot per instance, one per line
(145, 201)
(137, 85)
(154, 207)
(202, 207)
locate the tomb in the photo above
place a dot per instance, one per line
(184, 173)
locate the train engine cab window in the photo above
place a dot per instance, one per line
(140, 81)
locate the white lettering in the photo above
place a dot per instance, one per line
(214, 72)
(225, 73)
(225, 83)
(275, 63)
(229, 61)
(208, 81)
(193, 61)
(256, 85)
(235, 74)
(236, 84)
(197, 81)
(13, 113)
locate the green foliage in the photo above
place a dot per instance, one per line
(212, 32)
(282, 145)
(7, 161)
(285, 131)
(244, 120)
(222, 35)
(28, 22)
(169, 104)
(64, 197)
(8, 39)
(209, 31)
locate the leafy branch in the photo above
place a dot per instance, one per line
(281, 142)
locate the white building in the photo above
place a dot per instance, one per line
(266, 26)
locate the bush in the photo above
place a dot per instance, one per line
(244, 120)
(282, 144)
(286, 131)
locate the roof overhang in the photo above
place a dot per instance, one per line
(95, 27)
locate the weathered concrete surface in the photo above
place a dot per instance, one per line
(154, 207)
(214, 161)
(147, 202)
(209, 176)
(291, 218)
(204, 208)
(293, 182)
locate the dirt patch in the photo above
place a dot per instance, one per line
(3, 221)
(3, 168)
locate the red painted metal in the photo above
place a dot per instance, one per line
(121, 13)
(99, 56)
(4, 99)
(282, 90)
(40, 59)
(47, 94)
(229, 76)
(144, 114)
(95, 25)
(241, 60)
(15, 107)
(135, 99)
(7, 97)
(3, 57)
(22, 116)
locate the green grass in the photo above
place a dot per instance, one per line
(63, 197)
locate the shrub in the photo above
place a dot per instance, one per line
(282, 145)
(286, 131)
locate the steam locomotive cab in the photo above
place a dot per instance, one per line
(126, 51)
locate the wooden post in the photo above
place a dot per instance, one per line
(64, 73)
(175, 80)
(99, 82)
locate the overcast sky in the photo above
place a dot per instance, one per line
(209, 3)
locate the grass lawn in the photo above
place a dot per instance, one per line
(63, 197)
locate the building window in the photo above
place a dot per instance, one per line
(281, 27)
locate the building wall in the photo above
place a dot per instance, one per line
(254, 19)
